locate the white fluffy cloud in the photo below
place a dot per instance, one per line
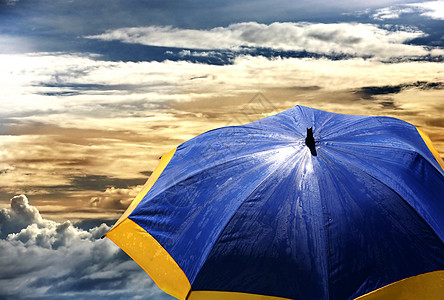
(354, 39)
(392, 12)
(42, 259)
(429, 9)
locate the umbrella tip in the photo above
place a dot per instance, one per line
(310, 141)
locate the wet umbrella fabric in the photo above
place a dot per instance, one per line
(274, 210)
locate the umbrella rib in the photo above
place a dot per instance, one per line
(235, 211)
(412, 151)
(289, 131)
(366, 146)
(324, 237)
(212, 166)
(408, 204)
(326, 232)
(410, 207)
(303, 115)
(320, 127)
(287, 137)
(396, 192)
(336, 129)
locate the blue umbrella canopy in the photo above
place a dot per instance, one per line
(305, 204)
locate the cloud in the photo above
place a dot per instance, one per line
(33, 81)
(115, 198)
(11, 2)
(429, 9)
(43, 259)
(141, 95)
(367, 92)
(18, 216)
(51, 141)
(355, 39)
(390, 13)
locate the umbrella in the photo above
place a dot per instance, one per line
(305, 204)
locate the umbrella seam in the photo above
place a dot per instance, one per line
(401, 197)
(211, 166)
(411, 208)
(203, 170)
(411, 151)
(232, 216)
(326, 234)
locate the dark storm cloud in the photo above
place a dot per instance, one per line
(91, 223)
(223, 57)
(368, 92)
(102, 182)
(438, 122)
(146, 173)
(90, 87)
(434, 38)
(384, 95)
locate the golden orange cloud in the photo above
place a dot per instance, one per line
(81, 143)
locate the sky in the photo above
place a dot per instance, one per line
(93, 92)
